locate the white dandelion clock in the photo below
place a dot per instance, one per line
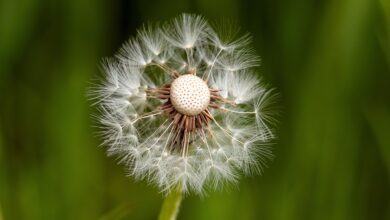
(183, 108)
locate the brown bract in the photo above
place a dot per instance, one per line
(186, 126)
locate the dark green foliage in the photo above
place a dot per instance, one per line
(330, 61)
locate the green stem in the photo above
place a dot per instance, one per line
(171, 205)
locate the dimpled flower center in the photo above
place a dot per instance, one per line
(189, 95)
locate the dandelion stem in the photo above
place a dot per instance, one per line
(1, 215)
(171, 205)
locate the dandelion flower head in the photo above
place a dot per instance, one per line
(181, 106)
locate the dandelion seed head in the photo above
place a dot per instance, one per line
(180, 105)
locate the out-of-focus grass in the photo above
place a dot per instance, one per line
(330, 60)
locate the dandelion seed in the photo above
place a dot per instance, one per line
(183, 108)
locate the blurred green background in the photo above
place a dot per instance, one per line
(330, 60)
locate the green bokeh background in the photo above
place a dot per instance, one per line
(330, 60)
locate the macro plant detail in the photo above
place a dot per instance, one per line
(181, 106)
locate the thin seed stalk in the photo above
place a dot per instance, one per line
(171, 205)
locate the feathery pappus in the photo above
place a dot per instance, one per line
(181, 106)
